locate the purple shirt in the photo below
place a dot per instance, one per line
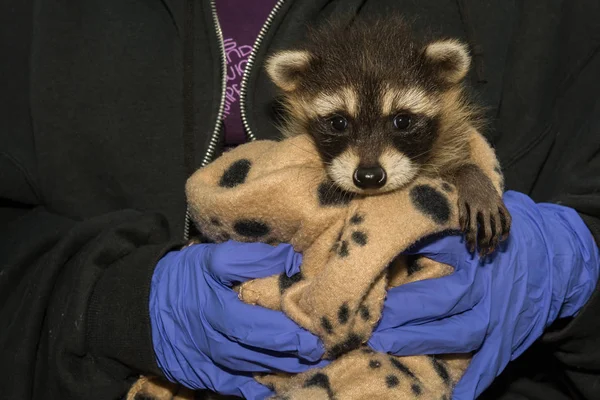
(241, 21)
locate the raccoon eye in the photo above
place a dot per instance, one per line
(402, 121)
(338, 123)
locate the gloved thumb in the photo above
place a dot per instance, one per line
(445, 247)
(233, 262)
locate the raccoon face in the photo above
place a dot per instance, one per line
(374, 118)
(373, 140)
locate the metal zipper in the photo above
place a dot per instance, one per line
(214, 139)
(250, 63)
(251, 57)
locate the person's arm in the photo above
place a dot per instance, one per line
(73, 294)
(575, 342)
(565, 364)
(74, 298)
(90, 305)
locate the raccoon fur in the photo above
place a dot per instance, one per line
(384, 107)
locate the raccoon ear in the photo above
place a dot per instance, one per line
(285, 68)
(450, 59)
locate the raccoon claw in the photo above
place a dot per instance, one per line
(484, 226)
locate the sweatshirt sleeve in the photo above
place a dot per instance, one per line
(565, 363)
(575, 343)
(73, 293)
(74, 302)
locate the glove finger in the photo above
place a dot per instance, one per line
(442, 247)
(458, 334)
(259, 327)
(430, 300)
(234, 262)
(239, 357)
(201, 351)
(481, 372)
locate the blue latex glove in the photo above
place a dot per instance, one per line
(547, 269)
(206, 338)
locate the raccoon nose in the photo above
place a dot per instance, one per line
(369, 178)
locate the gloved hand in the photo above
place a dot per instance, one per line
(206, 338)
(547, 269)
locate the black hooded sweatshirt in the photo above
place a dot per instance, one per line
(107, 106)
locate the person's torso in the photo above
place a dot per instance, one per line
(128, 97)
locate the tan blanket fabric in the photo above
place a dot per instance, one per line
(278, 192)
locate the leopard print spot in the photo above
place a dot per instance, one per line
(356, 219)
(285, 282)
(343, 314)
(431, 203)
(364, 312)
(343, 250)
(326, 324)
(251, 228)
(392, 381)
(236, 174)
(441, 370)
(360, 238)
(413, 265)
(402, 368)
(320, 380)
(416, 389)
(353, 341)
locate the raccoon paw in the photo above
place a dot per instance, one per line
(484, 222)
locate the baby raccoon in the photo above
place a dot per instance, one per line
(383, 108)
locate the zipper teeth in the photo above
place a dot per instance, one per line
(212, 144)
(215, 136)
(249, 65)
